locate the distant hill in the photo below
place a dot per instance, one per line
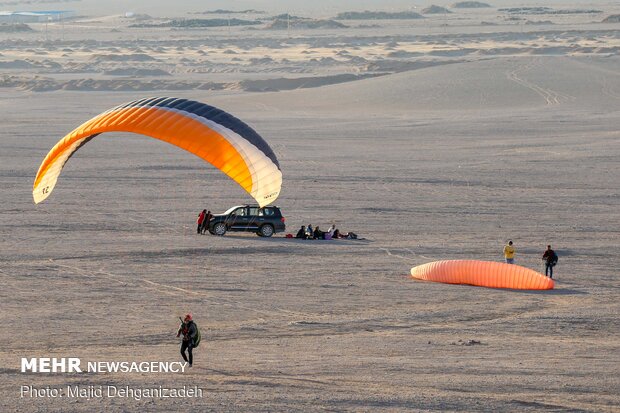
(435, 10)
(224, 11)
(289, 16)
(298, 23)
(377, 15)
(547, 10)
(136, 72)
(195, 23)
(469, 5)
(614, 18)
(535, 22)
(14, 28)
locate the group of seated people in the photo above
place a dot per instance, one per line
(316, 233)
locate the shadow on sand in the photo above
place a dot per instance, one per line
(555, 291)
(284, 240)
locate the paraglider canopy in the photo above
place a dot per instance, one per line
(209, 133)
(482, 274)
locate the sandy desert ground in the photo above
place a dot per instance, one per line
(430, 141)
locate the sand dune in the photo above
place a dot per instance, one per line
(508, 83)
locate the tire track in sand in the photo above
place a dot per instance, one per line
(551, 97)
(173, 290)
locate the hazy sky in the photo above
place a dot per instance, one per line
(302, 7)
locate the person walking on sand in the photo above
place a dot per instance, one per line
(509, 253)
(201, 219)
(550, 258)
(191, 338)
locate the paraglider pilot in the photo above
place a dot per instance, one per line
(189, 331)
(550, 258)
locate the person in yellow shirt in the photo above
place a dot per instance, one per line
(509, 253)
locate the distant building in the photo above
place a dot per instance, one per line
(34, 16)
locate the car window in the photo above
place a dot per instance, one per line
(254, 211)
(239, 212)
(269, 211)
(230, 210)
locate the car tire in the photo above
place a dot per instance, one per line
(266, 230)
(219, 229)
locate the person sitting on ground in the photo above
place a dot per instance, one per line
(302, 233)
(344, 235)
(309, 231)
(318, 234)
(330, 232)
(351, 235)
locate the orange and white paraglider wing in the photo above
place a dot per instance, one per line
(483, 274)
(210, 133)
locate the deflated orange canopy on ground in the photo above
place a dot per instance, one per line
(483, 274)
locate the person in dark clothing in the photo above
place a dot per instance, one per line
(550, 258)
(205, 222)
(189, 330)
(318, 234)
(201, 220)
(302, 233)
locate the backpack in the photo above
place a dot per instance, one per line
(197, 338)
(554, 259)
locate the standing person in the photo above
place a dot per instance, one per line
(205, 223)
(191, 338)
(550, 258)
(509, 253)
(201, 220)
